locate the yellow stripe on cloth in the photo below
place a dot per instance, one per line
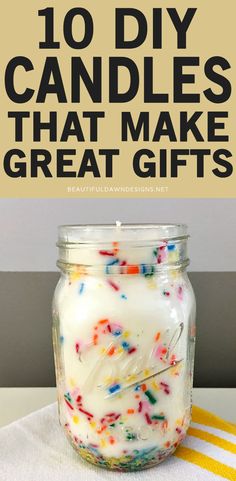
(211, 438)
(205, 462)
(208, 419)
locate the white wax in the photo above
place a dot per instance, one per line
(81, 244)
(143, 313)
(123, 316)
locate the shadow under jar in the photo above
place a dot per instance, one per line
(123, 331)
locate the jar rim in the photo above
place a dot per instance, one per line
(93, 234)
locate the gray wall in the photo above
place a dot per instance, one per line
(26, 346)
(28, 227)
(28, 255)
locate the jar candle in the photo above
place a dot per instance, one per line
(123, 332)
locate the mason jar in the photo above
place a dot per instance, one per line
(123, 332)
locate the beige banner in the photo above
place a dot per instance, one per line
(210, 34)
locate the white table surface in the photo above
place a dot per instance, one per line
(18, 402)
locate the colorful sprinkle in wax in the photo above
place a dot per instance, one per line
(162, 254)
(133, 269)
(113, 263)
(150, 271)
(134, 457)
(69, 404)
(148, 419)
(157, 336)
(130, 411)
(106, 253)
(158, 417)
(131, 460)
(165, 387)
(81, 289)
(131, 436)
(114, 388)
(117, 330)
(166, 293)
(110, 264)
(68, 396)
(89, 415)
(143, 269)
(180, 293)
(111, 351)
(113, 285)
(115, 247)
(131, 350)
(150, 397)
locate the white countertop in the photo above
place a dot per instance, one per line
(18, 402)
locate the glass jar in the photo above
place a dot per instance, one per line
(123, 331)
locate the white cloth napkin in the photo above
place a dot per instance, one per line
(35, 449)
